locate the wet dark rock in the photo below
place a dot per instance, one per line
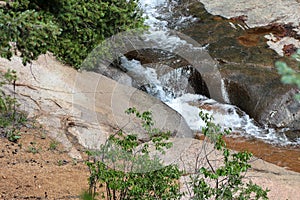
(289, 49)
(247, 65)
(293, 135)
(198, 84)
(165, 64)
(146, 56)
(260, 93)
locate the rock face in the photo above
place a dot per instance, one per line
(260, 13)
(252, 81)
(259, 92)
(245, 61)
(85, 106)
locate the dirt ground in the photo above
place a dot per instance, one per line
(37, 167)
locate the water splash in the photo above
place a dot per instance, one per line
(224, 92)
(168, 85)
(176, 82)
(226, 115)
(189, 105)
(158, 14)
(145, 77)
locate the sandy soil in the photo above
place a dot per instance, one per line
(36, 167)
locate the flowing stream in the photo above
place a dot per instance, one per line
(189, 105)
(162, 85)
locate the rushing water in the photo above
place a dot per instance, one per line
(187, 104)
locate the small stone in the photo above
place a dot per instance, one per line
(4, 177)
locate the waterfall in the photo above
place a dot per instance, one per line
(224, 92)
(171, 87)
(189, 105)
(147, 78)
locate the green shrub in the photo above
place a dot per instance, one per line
(128, 172)
(124, 169)
(225, 181)
(10, 118)
(68, 28)
(288, 75)
(30, 32)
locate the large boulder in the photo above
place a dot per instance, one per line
(85, 107)
(259, 92)
(245, 60)
(259, 13)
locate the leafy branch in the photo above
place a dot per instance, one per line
(126, 169)
(10, 118)
(225, 181)
(289, 75)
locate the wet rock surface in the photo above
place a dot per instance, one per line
(242, 52)
(260, 93)
(245, 60)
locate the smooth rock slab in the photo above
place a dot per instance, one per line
(84, 108)
(259, 13)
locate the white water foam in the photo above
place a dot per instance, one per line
(224, 92)
(158, 24)
(152, 16)
(175, 82)
(160, 12)
(170, 84)
(146, 76)
(227, 116)
(188, 105)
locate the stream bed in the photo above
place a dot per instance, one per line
(236, 54)
(267, 143)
